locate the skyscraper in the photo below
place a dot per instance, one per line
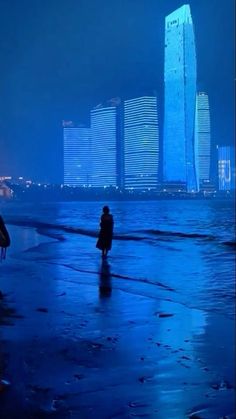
(104, 146)
(77, 156)
(179, 147)
(203, 137)
(226, 168)
(141, 143)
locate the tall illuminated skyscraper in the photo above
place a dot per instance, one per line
(179, 146)
(203, 137)
(104, 146)
(226, 168)
(141, 143)
(77, 155)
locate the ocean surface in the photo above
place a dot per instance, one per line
(188, 246)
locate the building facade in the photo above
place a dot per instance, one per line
(180, 73)
(203, 138)
(226, 168)
(77, 156)
(141, 143)
(104, 146)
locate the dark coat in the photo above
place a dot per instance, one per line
(106, 232)
(4, 235)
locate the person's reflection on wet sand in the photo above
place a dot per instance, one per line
(105, 287)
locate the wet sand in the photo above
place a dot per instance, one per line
(83, 340)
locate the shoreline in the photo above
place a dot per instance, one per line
(219, 198)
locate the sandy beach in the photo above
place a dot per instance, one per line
(92, 339)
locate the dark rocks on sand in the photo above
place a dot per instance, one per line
(163, 315)
(224, 385)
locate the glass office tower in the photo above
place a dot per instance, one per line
(179, 143)
(141, 143)
(203, 134)
(104, 146)
(226, 168)
(77, 156)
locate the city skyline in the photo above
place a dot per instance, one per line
(122, 148)
(129, 131)
(48, 75)
(130, 144)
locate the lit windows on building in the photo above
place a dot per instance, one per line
(104, 146)
(179, 147)
(77, 156)
(141, 143)
(226, 168)
(203, 138)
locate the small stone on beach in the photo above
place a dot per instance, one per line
(163, 315)
(42, 310)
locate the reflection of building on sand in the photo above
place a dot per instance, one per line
(105, 288)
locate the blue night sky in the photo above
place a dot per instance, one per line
(59, 58)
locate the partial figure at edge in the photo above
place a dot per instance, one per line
(104, 242)
(5, 240)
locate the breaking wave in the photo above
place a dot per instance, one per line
(44, 228)
(138, 235)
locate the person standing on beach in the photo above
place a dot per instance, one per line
(104, 242)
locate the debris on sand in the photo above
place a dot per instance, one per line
(223, 385)
(42, 310)
(137, 404)
(163, 315)
(79, 376)
(7, 314)
(144, 379)
(38, 389)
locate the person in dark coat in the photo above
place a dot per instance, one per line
(104, 242)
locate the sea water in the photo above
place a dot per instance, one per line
(186, 245)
